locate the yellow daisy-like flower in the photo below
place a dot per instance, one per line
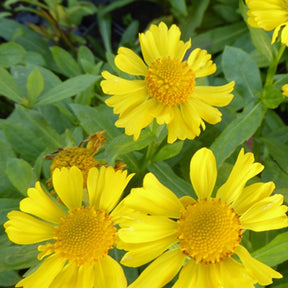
(76, 236)
(269, 15)
(166, 89)
(285, 90)
(201, 237)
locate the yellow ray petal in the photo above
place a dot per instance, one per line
(266, 214)
(140, 254)
(216, 96)
(116, 85)
(201, 63)
(67, 277)
(234, 275)
(109, 274)
(86, 276)
(45, 274)
(251, 195)
(262, 273)
(203, 172)
(144, 228)
(68, 184)
(22, 228)
(40, 205)
(154, 198)
(198, 275)
(244, 169)
(161, 271)
(129, 62)
(137, 119)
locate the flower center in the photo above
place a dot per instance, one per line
(85, 235)
(170, 81)
(209, 231)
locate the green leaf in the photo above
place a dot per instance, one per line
(11, 54)
(65, 62)
(272, 97)
(34, 85)
(262, 43)
(274, 252)
(97, 119)
(168, 178)
(179, 6)
(216, 39)
(104, 22)
(278, 151)
(9, 87)
(9, 278)
(238, 131)
(238, 66)
(124, 144)
(20, 174)
(66, 89)
(168, 151)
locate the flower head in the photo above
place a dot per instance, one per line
(201, 237)
(76, 236)
(166, 87)
(269, 15)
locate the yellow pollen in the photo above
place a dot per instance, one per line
(170, 81)
(209, 231)
(84, 236)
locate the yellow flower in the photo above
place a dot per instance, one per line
(200, 237)
(75, 236)
(269, 15)
(285, 90)
(165, 88)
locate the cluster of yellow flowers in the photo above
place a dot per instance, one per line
(197, 239)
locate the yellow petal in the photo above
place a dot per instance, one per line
(45, 274)
(284, 34)
(68, 184)
(203, 172)
(161, 271)
(251, 195)
(129, 62)
(86, 276)
(234, 275)
(142, 253)
(285, 90)
(106, 187)
(137, 119)
(262, 273)
(266, 214)
(201, 63)
(41, 205)
(198, 275)
(219, 96)
(144, 228)
(22, 228)
(109, 274)
(154, 198)
(67, 277)
(119, 86)
(244, 169)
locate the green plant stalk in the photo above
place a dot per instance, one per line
(273, 67)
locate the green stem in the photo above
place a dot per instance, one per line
(273, 67)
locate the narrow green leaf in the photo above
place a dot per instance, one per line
(66, 89)
(168, 151)
(278, 150)
(104, 22)
(65, 62)
(124, 144)
(238, 131)
(34, 84)
(275, 252)
(272, 97)
(20, 174)
(97, 119)
(167, 177)
(11, 54)
(179, 6)
(9, 87)
(239, 66)
(9, 278)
